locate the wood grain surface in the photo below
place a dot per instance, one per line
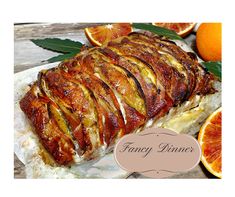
(27, 55)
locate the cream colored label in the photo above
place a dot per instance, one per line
(157, 152)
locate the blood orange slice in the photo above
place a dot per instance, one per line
(182, 29)
(211, 142)
(99, 35)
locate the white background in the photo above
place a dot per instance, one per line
(114, 11)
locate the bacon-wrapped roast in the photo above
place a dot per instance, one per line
(83, 106)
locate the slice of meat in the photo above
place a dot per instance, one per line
(56, 142)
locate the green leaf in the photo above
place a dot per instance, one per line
(158, 30)
(58, 45)
(214, 67)
(62, 57)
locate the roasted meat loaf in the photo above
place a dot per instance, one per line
(83, 106)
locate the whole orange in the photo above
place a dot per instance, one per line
(209, 41)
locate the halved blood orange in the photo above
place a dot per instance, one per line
(99, 35)
(210, 140)
(182, 29)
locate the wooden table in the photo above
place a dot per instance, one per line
(28, 55)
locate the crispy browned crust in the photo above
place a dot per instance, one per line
(169, 77)
(125, 86)
(36, 107)
(106, 104)
(78, 105)
(103, 93)
(155, 98)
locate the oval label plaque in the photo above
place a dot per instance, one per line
(157, 152)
